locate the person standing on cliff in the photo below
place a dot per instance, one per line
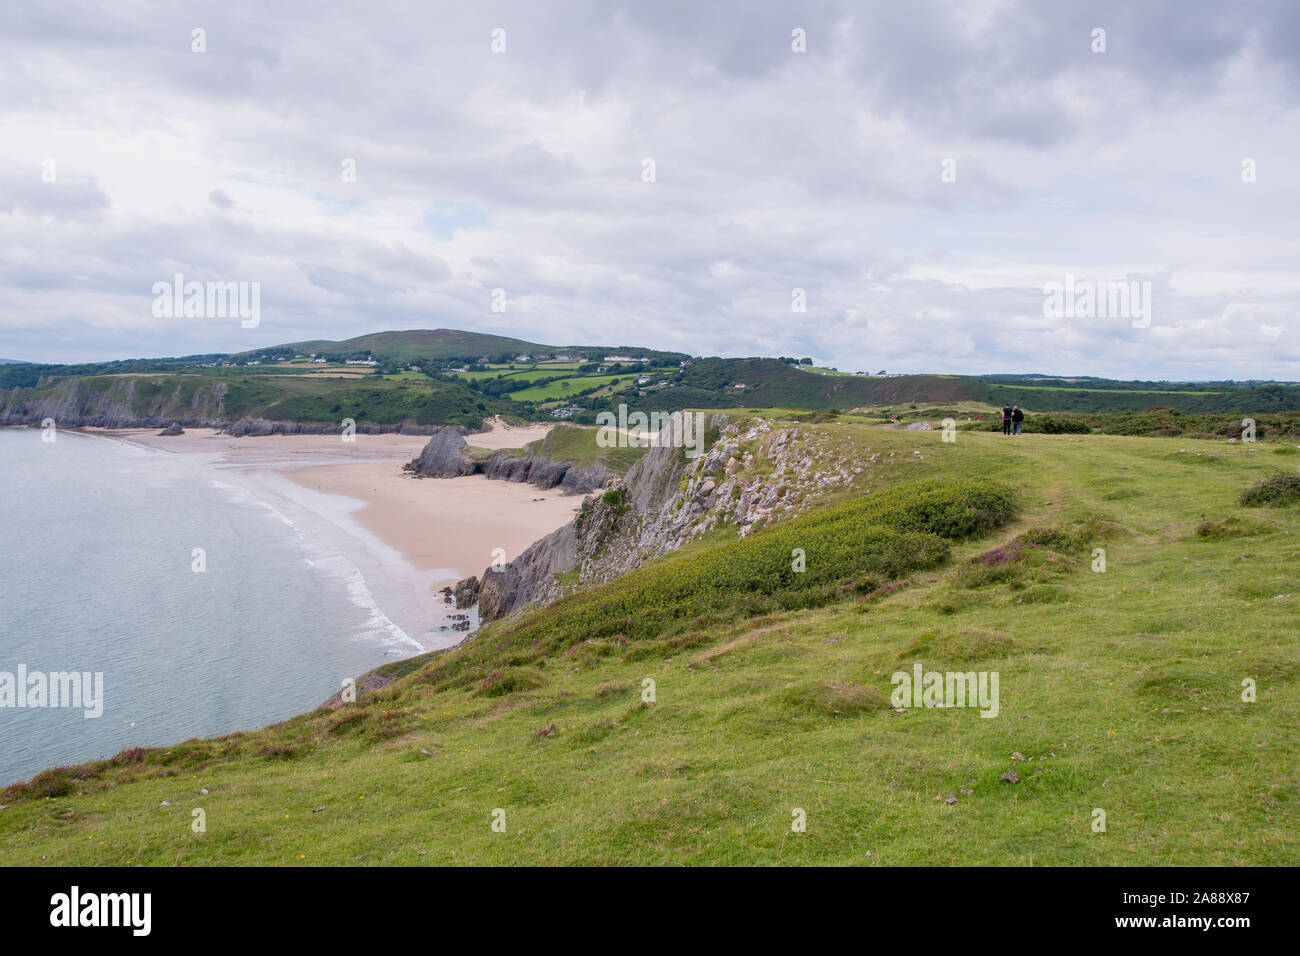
(1006, 419)
(1017, 419)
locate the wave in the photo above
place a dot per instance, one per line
(323, 558)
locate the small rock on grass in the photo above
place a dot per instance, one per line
(1011, 777)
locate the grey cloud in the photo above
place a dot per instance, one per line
(68, 198)
(775, 169)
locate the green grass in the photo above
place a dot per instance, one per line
(564, 387)
(406, 377)
(1124, 686)
(577, 444)
(530, 373)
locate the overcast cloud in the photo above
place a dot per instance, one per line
(774, 170)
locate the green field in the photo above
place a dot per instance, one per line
(406, 377)
(1121, 690)
(528, 374)
(563, 388)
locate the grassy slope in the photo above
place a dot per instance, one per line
(573, 443)
(1130, 677)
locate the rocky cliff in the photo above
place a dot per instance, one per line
(119, 403)
(751, 473)
(445, 456)
(76, 403)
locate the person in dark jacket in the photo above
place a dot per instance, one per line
(1017, 419)
(1006, 419)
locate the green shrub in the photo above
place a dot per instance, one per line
(1056, 425)
(1278, 489)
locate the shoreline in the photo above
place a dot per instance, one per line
(407, 537)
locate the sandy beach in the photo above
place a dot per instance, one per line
(409, 537)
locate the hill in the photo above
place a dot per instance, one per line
(688, 711)
(444, 344)
(454, 377)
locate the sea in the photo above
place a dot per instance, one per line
(207, 605)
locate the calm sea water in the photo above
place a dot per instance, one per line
(97, 544)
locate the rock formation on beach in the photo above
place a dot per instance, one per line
(444, 456)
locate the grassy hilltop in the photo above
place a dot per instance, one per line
(1119, 690)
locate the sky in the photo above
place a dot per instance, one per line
(673, 175)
